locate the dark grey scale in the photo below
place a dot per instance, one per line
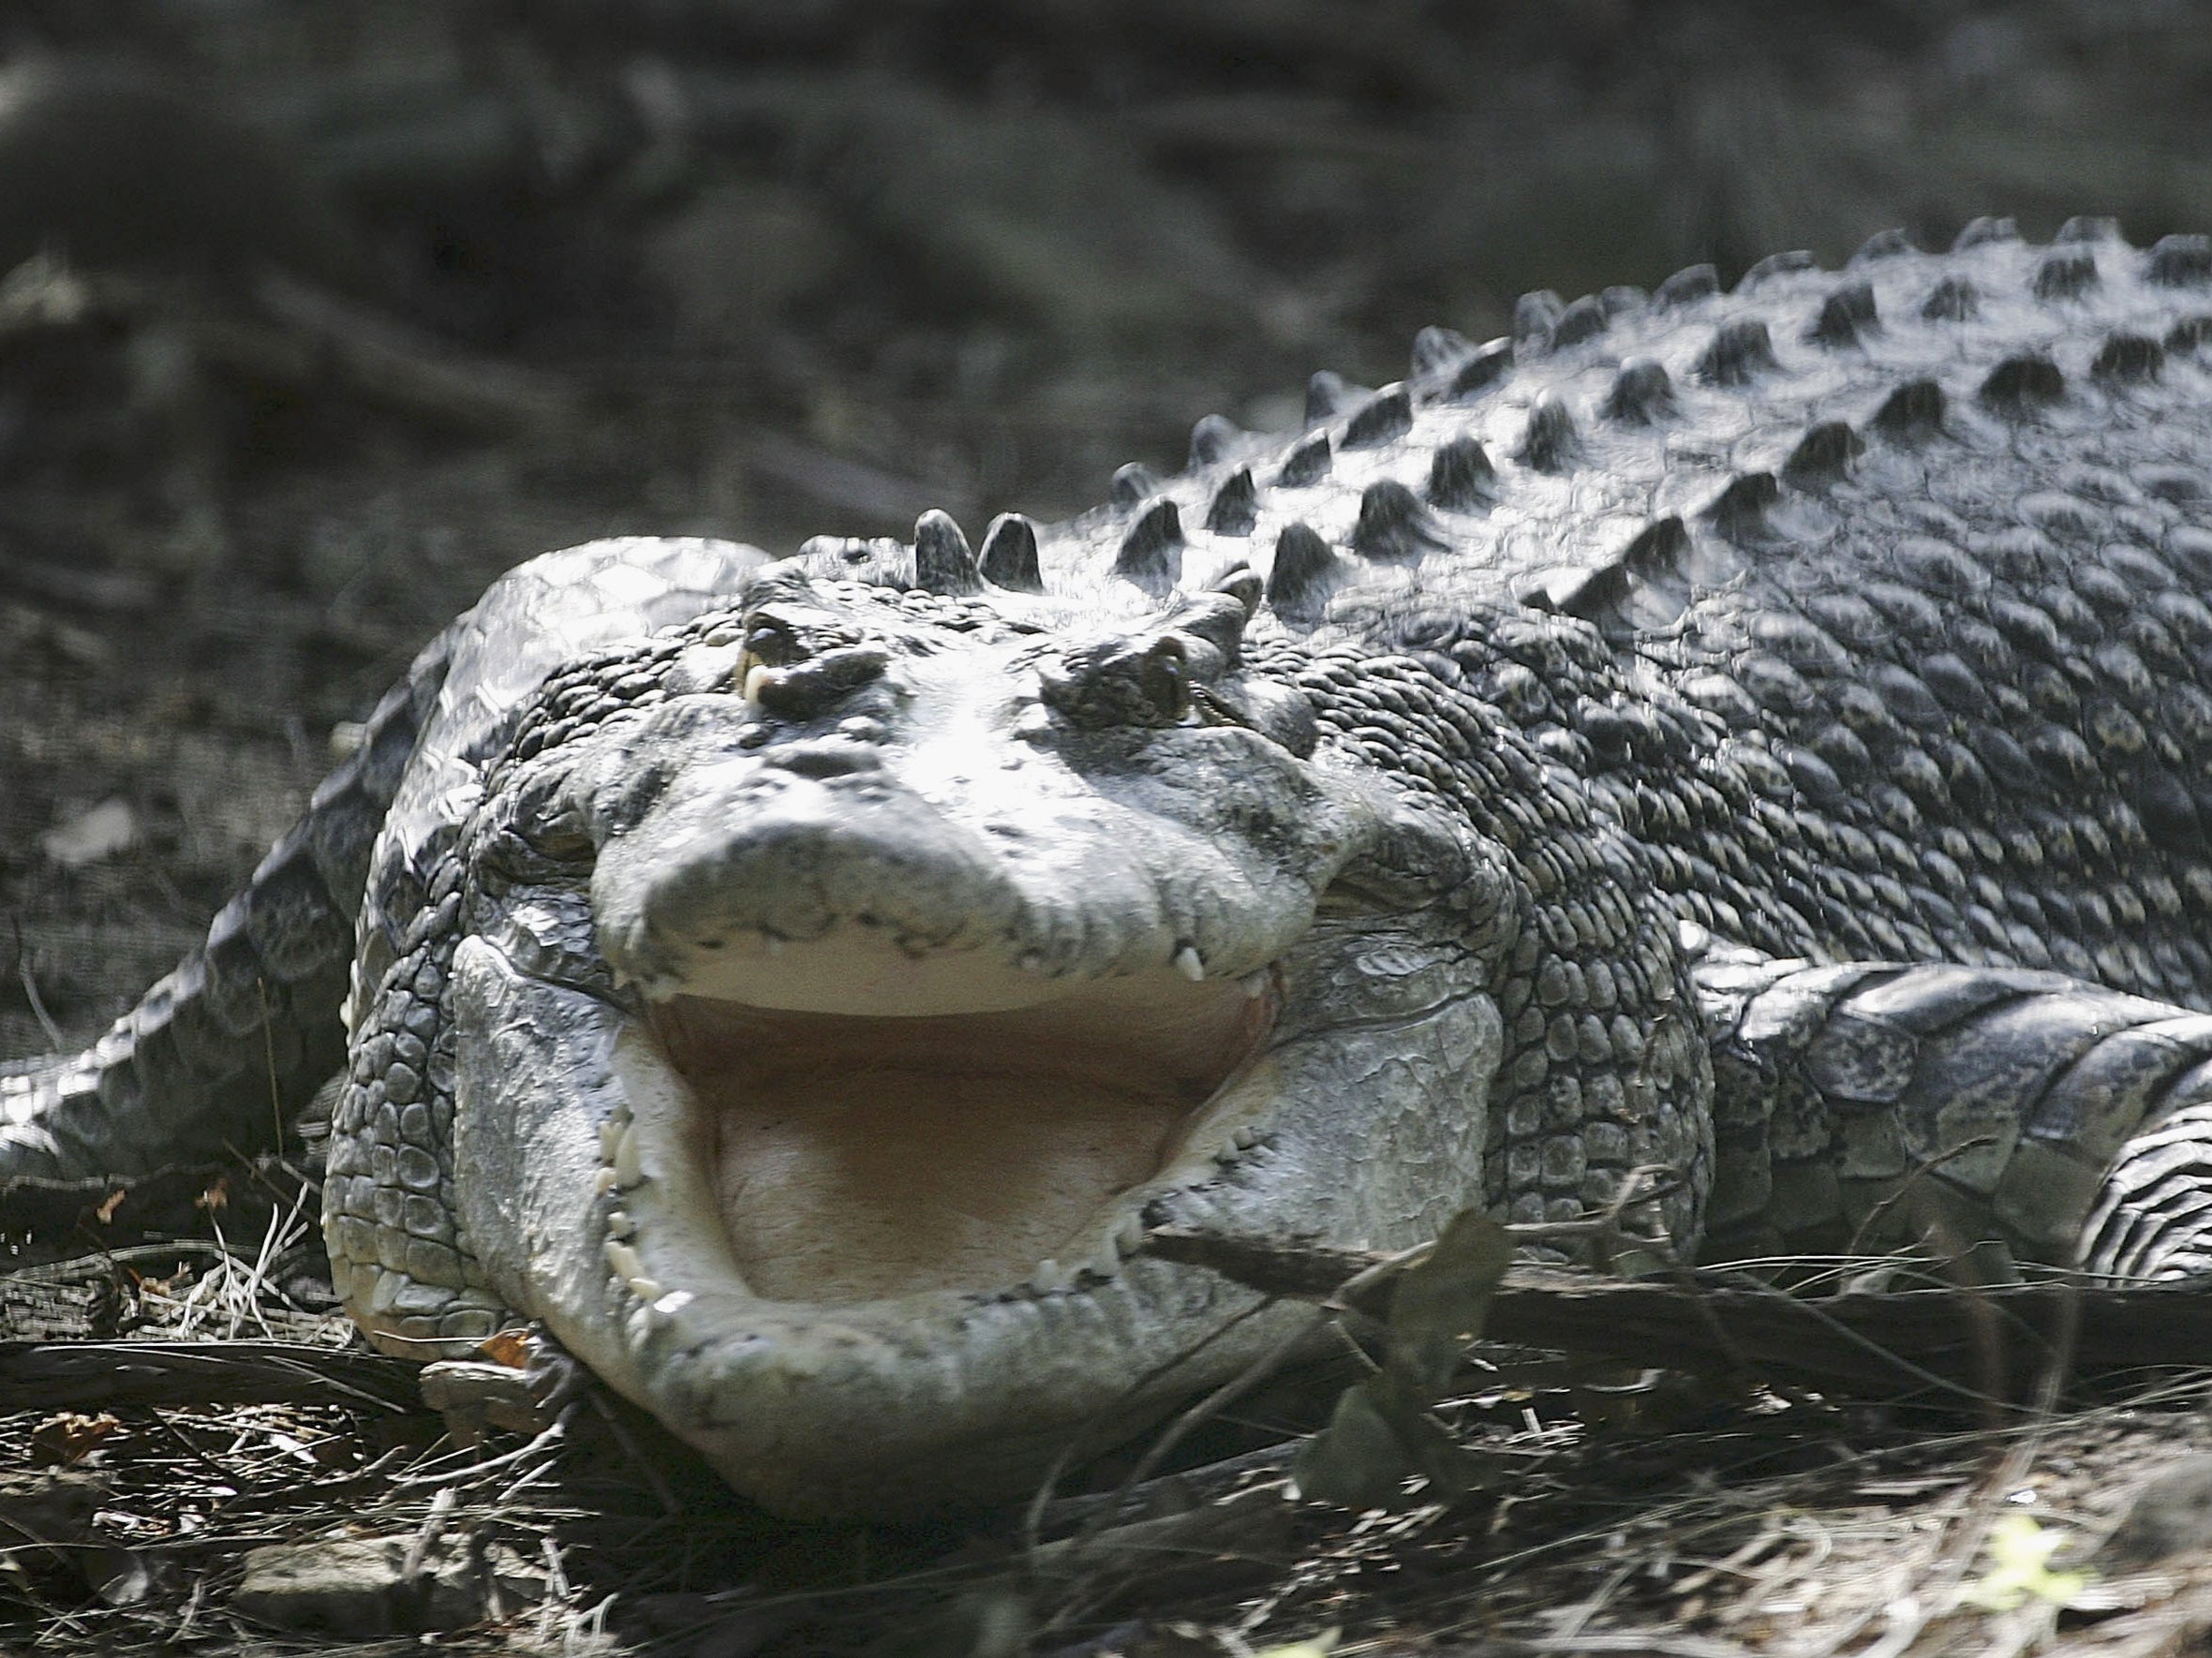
(1387, 414)
(1952, 300)
(1849, 617)
(1534, 316)
(2084, 226)
(1937, 567)
(1550, 442)
(1393, 523)
(1740, 351)
(2065, 276)
(1306, 464)
(1623, 300)
(2019, 386)
(2178, 485)
(1134, 484)
(1910, 414)
(1739, 511)
(2128, 358)
(2190, 335)
(1215, 437)
(2099, 484)
(1686, 287)
(1823, 454)
(1844, 316)
(1437, 350)
(1585, 320)
(1329, 395)
(2066, 517)
(1234, 508)
(1776, 264)
(1461, 476)
(1883, 244)
(1652, 561)
(2169, 814)
(1150, 552)
(2180, 261)
(1482, 370)
(1800, 642)
(942, 561)
(1978, 232)
(1641, 394)
(1009, 557)
(1303, 573)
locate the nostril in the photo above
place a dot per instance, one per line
(828, 758)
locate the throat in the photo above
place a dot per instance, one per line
(855, 1159)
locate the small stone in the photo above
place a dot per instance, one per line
(359, 1587)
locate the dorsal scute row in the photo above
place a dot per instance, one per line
(1793, 379)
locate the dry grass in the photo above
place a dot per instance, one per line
(1645, 1513)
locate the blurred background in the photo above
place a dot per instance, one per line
(313, 316)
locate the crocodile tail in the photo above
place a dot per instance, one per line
(225, 1047)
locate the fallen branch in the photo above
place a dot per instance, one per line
(1712, 1321)
(98, 1375)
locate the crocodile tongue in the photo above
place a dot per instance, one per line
(857, 1157)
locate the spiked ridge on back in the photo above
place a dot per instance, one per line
(1584, 402)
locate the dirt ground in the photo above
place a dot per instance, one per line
(449, 285)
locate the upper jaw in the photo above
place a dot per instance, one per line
(860, 893)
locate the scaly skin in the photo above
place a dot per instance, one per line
(1763, 734)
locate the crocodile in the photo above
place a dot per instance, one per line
(1762, 734)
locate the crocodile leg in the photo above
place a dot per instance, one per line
(238, 1035)
(1858, 1104)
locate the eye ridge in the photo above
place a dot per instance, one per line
(1165, 677)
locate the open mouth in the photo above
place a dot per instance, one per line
(855, 1157)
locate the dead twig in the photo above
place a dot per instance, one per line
(1716, 1321)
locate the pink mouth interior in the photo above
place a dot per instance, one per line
(858, 1157)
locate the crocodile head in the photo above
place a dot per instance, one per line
(828, 1031)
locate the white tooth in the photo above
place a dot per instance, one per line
(1032, 962)
(673, 1302)
(1254, 985)
(622, 1260)
(774, 948)
(645, 1289)
(610, 1134)
(620, 1224)
(1245, 1136)
(1188, 964)
(603, 1181)
(755, 677)
(1129, 1234)
(1048, 1276)
(627, 1170)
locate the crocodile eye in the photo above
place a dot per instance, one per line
(771, 641)
(1166, 679)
